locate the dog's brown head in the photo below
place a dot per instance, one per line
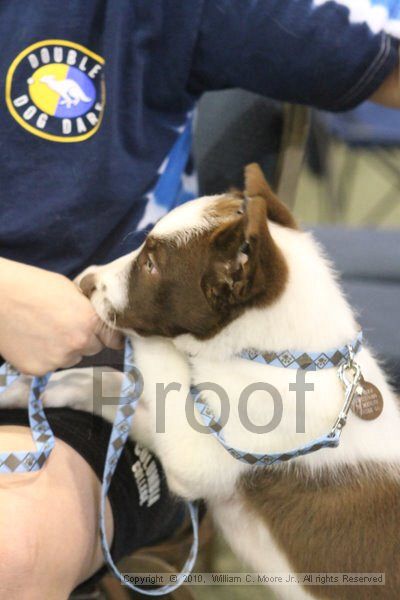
(201, 266)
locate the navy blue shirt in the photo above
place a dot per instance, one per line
(95, 94)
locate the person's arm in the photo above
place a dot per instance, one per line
(313, 52)
(45, 321)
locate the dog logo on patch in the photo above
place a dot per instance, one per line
(55, 90)
(69, 90)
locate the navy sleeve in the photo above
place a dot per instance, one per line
(315, 52)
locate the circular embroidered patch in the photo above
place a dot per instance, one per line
(55, 90)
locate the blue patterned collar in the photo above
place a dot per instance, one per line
(307, 361)
(341, 358)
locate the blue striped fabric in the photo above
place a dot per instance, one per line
(379, 15)
(170, 188)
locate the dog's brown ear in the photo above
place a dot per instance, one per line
(237, 250)
(257, 185)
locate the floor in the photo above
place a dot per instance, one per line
(368, 184)
(225, 562)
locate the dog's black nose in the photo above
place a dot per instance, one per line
(88, 284)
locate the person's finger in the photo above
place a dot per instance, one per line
(73, 360)
(94, 346)
(111, 338)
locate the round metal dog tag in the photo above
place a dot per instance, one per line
(368, 403)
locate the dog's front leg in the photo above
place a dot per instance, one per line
(17, 394)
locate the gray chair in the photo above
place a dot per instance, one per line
(369, 263)
(235, 127)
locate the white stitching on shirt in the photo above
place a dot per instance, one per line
(369, 74)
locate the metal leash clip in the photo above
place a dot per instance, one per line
(350, 386)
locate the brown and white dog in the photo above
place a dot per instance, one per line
(217, 276)
(214, 277)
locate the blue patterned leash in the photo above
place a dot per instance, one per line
(122, 425)
(26, 461)
(343, 358)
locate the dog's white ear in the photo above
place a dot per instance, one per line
(257, 185)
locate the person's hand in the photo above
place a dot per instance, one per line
(46, 322)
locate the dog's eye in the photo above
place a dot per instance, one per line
(245, 248)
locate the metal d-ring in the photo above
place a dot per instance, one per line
(350, 390)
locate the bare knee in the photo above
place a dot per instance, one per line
(18, 556)
(37, 558)
(49, 539)
(27, 571)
